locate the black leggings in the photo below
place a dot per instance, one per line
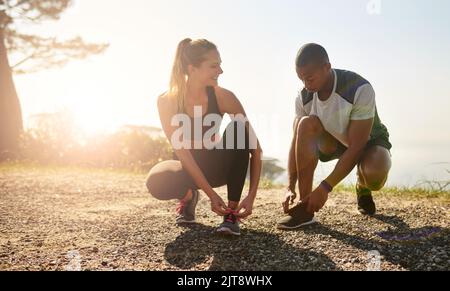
(168, 180)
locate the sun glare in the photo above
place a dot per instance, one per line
(91, 114)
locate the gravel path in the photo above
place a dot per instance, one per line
(99, 220)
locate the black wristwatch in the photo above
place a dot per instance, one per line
(326, 186)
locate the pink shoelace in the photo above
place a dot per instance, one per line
(230, 214)
(181, 206)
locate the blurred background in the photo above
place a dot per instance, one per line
(79, 79)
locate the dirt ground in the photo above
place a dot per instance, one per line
(72, 219)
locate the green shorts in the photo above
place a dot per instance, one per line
(382, 141)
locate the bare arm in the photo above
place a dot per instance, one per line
(231, 105)
(292, 167)
(359, 133)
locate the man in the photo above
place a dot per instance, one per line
(336, 118)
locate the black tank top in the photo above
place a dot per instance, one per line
(213, 108)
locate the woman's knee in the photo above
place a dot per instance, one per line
(166, 179)
(153, 186)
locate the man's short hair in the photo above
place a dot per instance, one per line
(311, 53)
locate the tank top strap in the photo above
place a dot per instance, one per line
(213, 106)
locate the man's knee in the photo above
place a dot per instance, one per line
(374, 167)
(374, 178)
(310, 125)
(376, 185)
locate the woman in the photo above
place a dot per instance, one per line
(193, 91)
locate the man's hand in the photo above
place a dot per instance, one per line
(289, 199)
(246, 204)
(316, 200)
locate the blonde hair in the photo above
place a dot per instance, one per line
(189, 52)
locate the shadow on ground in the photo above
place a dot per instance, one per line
(400, 245)
(252, 251)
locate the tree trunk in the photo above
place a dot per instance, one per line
(11, 124)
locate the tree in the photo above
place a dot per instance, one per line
(35, 53)
(270, 169)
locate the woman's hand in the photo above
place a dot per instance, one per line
(246, 204)
(217, 205)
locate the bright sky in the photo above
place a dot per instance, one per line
(400, 46)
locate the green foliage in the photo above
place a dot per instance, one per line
(32, 53)
(55, 141)
(427, 189)
(270, 170)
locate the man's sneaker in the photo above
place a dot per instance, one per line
(366, 205)
(186, 210)
(230, 224)
(296, 218)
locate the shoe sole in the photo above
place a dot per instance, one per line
(226, 230)
(185, 222)
(312, 221)
(363, 211)
(366, 213)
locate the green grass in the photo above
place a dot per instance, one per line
(433, 190)
(29, 166)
